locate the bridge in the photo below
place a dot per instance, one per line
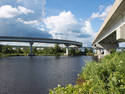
(112, 31)
(32, 40)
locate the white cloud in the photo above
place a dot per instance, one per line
(62, 25)
(23, 10)
(88, 27)
(35, 3)
(43, 2)
(66, 26)
(101, 7)
(101, 15)
(31, 22)
(7, 11)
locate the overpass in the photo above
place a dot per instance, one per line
(32, 40)
(112, 31)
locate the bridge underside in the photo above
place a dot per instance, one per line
(111, 39)
(111, 42)
(112, 30)
(105, 46)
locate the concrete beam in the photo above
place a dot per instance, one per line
(112, 21)
(38, 40)
(120, 33)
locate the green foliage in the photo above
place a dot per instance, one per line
(1, 48)
(10, 51)
(88, 51)
(74, 52)
(56, 50)
(48, 51)
(104, 77)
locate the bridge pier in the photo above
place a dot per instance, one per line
(99, 53)
(31, 45)
(106, 49)
(67, 50)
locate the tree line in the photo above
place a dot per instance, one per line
(56, 50)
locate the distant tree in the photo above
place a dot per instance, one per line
(26, 50)
(7, 49)
(1, 46)
(35, 50)
(57, 49)
(72, 51)
(88, 51)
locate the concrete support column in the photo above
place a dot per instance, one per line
(31, 45)
(99, 53)
(67, 50)
(104, 49)
(106, 52)
(109, 47)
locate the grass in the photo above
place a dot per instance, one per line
(25, 54)
(104, 77)
(14, 54)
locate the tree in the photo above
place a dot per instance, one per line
(1, 46)
(57, 49)
(7, 49)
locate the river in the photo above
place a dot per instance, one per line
(38, 74)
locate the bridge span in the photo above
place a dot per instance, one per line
(32, 40)
(112, 30)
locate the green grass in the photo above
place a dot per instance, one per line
(14, 54)
(104, 77)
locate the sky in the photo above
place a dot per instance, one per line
(77, 20)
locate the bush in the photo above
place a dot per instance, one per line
(104, 77)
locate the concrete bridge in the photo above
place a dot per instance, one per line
(112, 31)
(32, 40)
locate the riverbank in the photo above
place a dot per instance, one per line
(104, 77)
(7, 50)
(8, 55)
(23, 54)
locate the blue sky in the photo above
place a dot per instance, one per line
(80, 8)
(77, 20)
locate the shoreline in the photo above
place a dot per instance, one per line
(10, 55)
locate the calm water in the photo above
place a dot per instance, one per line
(38, 74)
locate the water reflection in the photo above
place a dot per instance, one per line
(38, 74)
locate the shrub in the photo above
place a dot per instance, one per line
(104, 77)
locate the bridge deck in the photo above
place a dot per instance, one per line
(39, 40)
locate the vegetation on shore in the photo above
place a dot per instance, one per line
(104, 77)
(48, 51)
